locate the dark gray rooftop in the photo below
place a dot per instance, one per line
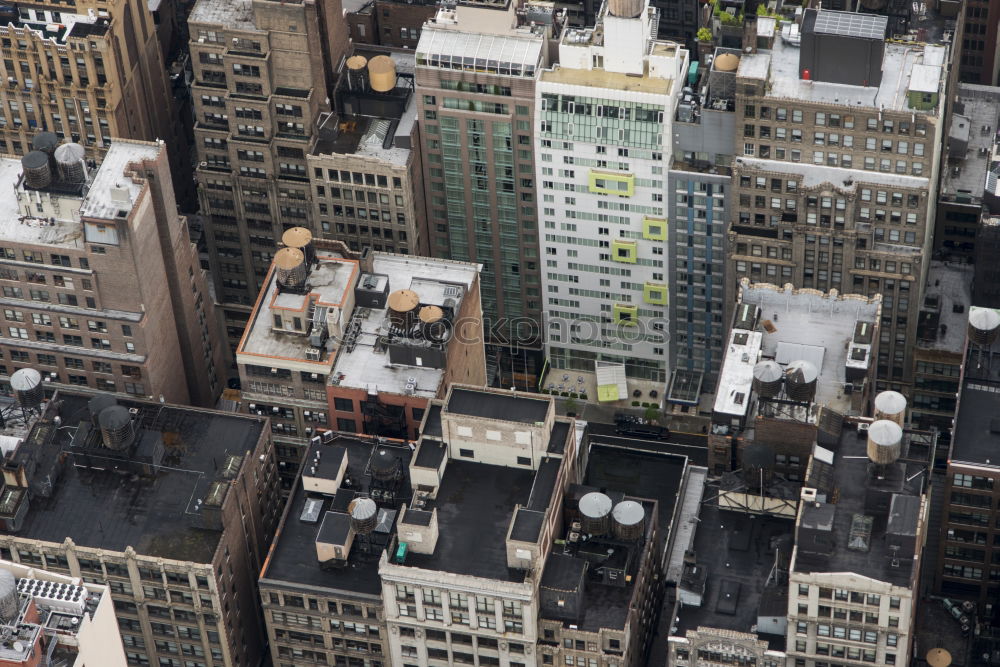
(864, 490)
(430, 454)
(641, 474)
(527, 525)
(517, 407)
(110, 510)
(474, 505)
(557, 437)
(964, 178)
(976, 437)
(293, 561)
(432, 425)
(735, 553)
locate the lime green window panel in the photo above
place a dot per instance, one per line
(606, 183)
(624, 251)
(627, 315)
(654, 229)
(655, 293)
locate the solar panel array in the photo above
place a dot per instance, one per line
(850, 24)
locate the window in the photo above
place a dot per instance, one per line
(467, 453)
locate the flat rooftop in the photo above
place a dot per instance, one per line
(110, 195)
(68, 25)
(846, 180)
(861, 490)
(292, 560)
(517, 407)
(976, 436)
(944, 315)
(640, 474)
(227, 14)
(330, 283)
(599, 78)
(475, 504)
(366, 365)
(735, 553)
(109, 510)
(814, 327)
(965, 173)
(111, 192)
(780, 66)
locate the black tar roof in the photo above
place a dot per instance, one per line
(976, 437)
(864, 490)
(430, 454)
(557, 437)
(432, 425)
(293, 561)
(638, 473)
(111, 510)
(516, 407)
(735, 553)
(474, 505)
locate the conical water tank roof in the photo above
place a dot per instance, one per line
(800, 380)
(885, 441)
(890, 405)
(984, 325)
(767, 378)
(595, 512)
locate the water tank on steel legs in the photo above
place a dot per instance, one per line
(984, 325)
(9, 598)
(27, 386)
(116, 427)
(767, 378)
(595, 513)
(885, 442)
(625, 9)
(45, 142)
(98, 404)
(364, 515)
(628, 520)
(800, 380)
(37, 172)
(890, 405)
(70, 160)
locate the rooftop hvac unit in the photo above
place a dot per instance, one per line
(275, 409)
(133, 411)
(312, 354)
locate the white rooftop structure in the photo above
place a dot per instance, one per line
(51, 216)
(780, 66)
(845, 180)
(819, 328)
(736, 376)
(112, 192)
(507, 53)
(366, 364)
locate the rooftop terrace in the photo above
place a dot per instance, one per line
(159, 514)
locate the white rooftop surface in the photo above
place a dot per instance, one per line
(329, 281)
(111, 190)
(363, 367)
(818, 174)
(736, 377)
(951, 282)
(230, 14)
(17, 228)
(812, 320)
(783, 62)
(65, 19)
(925, 78)
(371, 146)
